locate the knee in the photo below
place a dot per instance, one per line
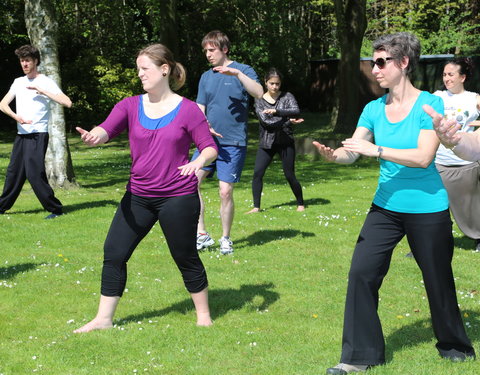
(226, 194)
(362, 271)
(112, 256)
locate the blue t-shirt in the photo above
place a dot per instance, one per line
(226, 103)
(400, 188)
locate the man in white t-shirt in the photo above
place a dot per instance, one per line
(33, 93)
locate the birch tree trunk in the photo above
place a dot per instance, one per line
(352, 23)
(42, 30)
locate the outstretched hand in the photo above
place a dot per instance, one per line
(447, 130)
(325, 151)
(296, 121)
(193, 167)
(226, 70)
(37, 89)
(88, 138)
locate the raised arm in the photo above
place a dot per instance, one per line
(419, 157)
(253, 87)
(342, 155)
(464, 145)
(59, 98)
(94, 137)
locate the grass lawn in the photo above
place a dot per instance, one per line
(277, 302)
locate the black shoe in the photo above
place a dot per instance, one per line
(53, 216)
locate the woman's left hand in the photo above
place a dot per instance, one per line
(296, 121)
(360, 146)
(192, 167)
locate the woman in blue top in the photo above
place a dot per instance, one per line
(410, 201)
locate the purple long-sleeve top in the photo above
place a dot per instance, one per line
(157, 154)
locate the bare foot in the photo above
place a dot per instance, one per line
(300, 208)
(94, 325)
(253, 210)
(204, 320)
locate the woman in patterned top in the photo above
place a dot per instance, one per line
(277, 111)
(460, 177)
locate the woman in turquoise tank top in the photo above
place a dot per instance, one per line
(410, 201)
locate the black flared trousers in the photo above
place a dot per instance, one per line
(27, 162)
(431, 241)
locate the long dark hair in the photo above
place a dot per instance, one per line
(273, 72)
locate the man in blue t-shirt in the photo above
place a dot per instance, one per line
(223, 97)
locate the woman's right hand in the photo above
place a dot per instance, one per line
(325, 151)
(93, 138)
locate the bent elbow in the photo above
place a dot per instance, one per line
(424, 163)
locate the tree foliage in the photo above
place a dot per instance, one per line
(98, 40)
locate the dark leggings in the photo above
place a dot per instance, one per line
(430, 238)
(135, 216)
(263, 160)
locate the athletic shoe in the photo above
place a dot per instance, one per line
(203, 241)
(344, 368)
(477, 246)
(226, 246)
(53, 216)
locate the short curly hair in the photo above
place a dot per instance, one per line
(28, 51)
(400, 45)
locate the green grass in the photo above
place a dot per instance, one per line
(277, 302)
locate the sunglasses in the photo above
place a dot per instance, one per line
(380, 62)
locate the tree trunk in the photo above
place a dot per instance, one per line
(167, 27)
(42, 29)
(351, 25)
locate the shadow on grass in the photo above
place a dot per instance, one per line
(73, 207)
(307, 202)
(110, 182)
(264, 236)
(422, 331)
(10, 272)
(465, 243)
(221, 302)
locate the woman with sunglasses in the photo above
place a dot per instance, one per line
(460, 177)
(277, 111)
(410, 201)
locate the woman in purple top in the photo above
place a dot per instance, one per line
(162, 186)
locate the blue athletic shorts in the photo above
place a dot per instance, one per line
(229, 163)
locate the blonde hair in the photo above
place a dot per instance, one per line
(161, 55)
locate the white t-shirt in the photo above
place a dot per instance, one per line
(33, 106)
(462, 108)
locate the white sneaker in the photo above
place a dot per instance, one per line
(345, 368)
(203, 241)
(226, 246)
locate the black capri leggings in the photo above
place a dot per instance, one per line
(263, 160)
(135, 216)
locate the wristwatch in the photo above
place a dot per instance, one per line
(379, 150)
